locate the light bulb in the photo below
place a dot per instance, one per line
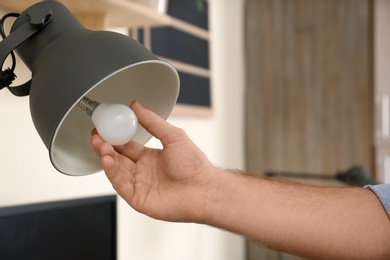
(115, 123)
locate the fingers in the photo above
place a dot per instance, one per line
(107, 155)
(96, 141)
(118, 169)
(113, 162)
(132, 150)
(104, 150)
(154, 124)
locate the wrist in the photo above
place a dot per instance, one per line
(222, 198)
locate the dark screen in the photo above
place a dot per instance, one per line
(73, 229)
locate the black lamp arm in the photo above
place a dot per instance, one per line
(39, 16)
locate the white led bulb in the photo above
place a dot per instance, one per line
(115, 123)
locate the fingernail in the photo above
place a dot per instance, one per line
(136, 103)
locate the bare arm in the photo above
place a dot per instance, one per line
(178, 183)
(310, 221)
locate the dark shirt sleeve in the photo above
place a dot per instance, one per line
(382, 191)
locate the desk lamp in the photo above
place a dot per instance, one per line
(74, 69)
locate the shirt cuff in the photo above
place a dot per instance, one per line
(382, 191)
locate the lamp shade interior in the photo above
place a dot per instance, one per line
(154, 83)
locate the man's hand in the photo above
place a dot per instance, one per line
(163, 183)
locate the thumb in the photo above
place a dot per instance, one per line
(154, 124)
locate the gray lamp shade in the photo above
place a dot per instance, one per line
(69, 62)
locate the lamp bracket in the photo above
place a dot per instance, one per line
(39, 16)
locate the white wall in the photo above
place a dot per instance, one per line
(27, 174)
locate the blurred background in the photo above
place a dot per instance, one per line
(288, 87)
(29, 177)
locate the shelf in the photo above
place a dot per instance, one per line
(105, 14)
(116, 13)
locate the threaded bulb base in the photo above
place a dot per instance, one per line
(87, 105)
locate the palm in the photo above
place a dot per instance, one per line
(158, 184)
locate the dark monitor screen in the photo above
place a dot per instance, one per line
(72, 229)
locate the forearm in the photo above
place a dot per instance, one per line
(309, 221)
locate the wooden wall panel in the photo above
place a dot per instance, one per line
(309, 85)
(309, 96)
